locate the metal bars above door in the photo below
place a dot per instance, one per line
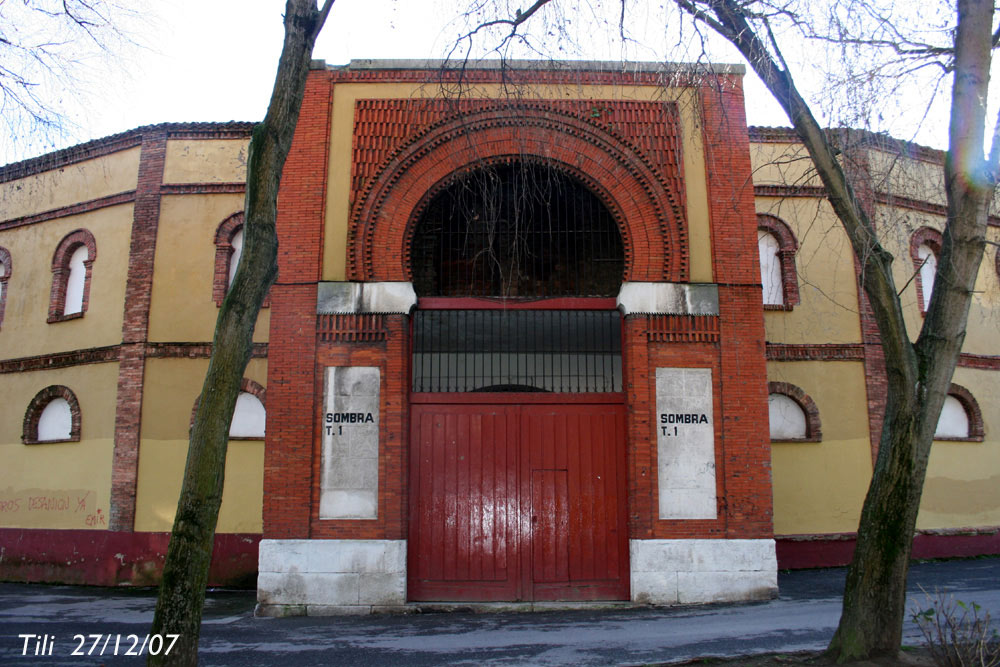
(566, 351)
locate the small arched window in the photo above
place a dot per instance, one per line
(960, 417)
(52, 416)
(925, 246)
(72, 266)
(235, 255)
(777, 247)
(792, 414)
(5, 270)
(249, 415)
(770, 269)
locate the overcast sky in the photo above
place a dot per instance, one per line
(214, 60)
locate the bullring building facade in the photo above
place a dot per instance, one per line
(555, 332)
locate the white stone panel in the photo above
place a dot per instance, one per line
(376, 297)
(349, 476)
(685, 437)
(326, 577)
(702, 570)
(668, 298)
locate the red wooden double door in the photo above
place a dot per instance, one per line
(517, 502)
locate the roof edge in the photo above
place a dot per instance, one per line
(496, 64)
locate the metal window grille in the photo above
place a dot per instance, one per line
(517, 350)
(519, 230)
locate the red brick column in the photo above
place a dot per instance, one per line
(746, 462)
(291, 376)
(135, 330)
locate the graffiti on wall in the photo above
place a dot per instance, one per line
(48, 508)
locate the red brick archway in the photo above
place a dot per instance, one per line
(639, 193)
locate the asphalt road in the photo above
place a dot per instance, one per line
(803, 617)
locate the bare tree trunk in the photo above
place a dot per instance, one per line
(919, 374)
(185, 572)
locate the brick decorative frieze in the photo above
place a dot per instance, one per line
(682, 329)
(203, 188)
(816, 352)
(360, 328)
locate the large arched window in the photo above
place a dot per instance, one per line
(52, 416)
(792, 414)
(5, 271)
(72, 265)
(516, 230)
(960, 417)
(925, 246)
(777, 247)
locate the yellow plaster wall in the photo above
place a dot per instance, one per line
(58, 485)
(25, 330)
(345, 96)
(962, 488)
(71, 184)
(828, 308)
(183, 308)
(782, 164)
(171, 388)
(206, 161)
(907, 177)
(819, 487)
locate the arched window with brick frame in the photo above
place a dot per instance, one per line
(925, 247)
(777, 247)
(792, 414)
(961, 419)
(72, 268)
(228, 251)
(249, 415)
(5, 270)
(53, 415)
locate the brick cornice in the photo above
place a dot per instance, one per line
(984, 362)
(203, 188)
(41, 362)
(74, 209)
(193, 350)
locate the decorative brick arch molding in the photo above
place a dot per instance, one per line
(60, 273)
(787, 247)
(814, 432)
(29, 433)
(976, 429)
(644, 202)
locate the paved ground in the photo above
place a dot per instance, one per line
(802, 618)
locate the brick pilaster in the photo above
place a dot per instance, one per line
(746, 461)
(135, 330)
